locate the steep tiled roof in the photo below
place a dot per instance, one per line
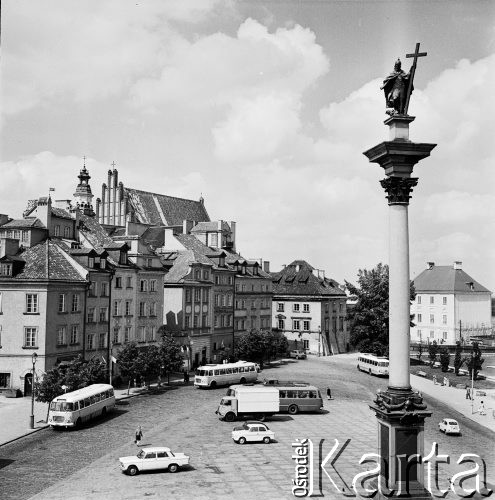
(94, 232)
(446, 279)
(200, 250)
(180, 267)
(60, 212)
(24, 223)
(154, 236)
(298, 279)
(159, 209)
(48, 261)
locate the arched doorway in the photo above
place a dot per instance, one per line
(28, 384)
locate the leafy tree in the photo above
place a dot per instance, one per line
(49, 387)
(276, 344)
(421, 348)
(252, 346)
(458, 361)
(127, 361)
(474, 362)
(433, 351)
(368, 319)
(171, 359)
(444, 359)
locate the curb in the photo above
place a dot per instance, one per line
(24, 435)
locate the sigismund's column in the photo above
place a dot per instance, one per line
(400, 411)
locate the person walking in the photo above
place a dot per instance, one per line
(139, 435)
(329, 393)
(468, 392)
(481, 409)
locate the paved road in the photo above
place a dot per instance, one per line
(83, 464)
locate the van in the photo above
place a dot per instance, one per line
(297, 354)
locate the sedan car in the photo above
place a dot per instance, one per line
(252, 431)
(153, 459)
(297, 354)
(449, 426)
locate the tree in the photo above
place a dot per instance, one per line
(433, 351)
(252, 346)
(421, 348)
(276, 344)
(127, 361)
(368, 319)
(171, 359)
(49, 387)
(474, 362)
(458, 361)
(444, 359)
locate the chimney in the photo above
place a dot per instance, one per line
(3, 219)
(431, 265)
(458, 265)
(266, 266)
(44, 211)
(219, 225)
(8, 246)
(232, 234)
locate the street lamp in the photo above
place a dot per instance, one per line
(319, 340)
(31, 421)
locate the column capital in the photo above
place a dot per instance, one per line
(398, 189)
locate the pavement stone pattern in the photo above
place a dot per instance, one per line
(183, 418)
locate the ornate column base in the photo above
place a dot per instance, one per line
(401, 414)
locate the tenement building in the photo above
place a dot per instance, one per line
(450, 306)
(309, 309)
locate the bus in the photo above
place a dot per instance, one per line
(212, 376)
(298, 397)
(374, 365)
(74, 408)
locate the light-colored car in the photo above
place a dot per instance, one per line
(296, 353)
(154, 458)
(252, 431)
(449, 426)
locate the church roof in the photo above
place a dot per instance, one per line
(446, 279)
(298, 279)
(162, 210)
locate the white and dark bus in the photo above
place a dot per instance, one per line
(212, 376)
(374, 365)
(74, 408)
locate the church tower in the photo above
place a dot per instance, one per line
(83, 196)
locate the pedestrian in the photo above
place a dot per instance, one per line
(329, 393)
(139, 435)
(468, 392)
(481, 409)
(185, 377)
(434, 380)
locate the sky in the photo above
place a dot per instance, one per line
(264, 108)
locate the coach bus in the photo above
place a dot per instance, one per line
(374, 365)
(74, 408)
(212, 376)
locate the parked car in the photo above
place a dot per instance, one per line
(449, 426)
(153, 459)
(252, 430)
(296, 353)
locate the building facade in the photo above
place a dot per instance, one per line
(450, 306)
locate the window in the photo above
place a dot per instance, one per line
(188, 295)
(295, 324)
(306, 308)
(116, 335)
(432, 334)
(90, 341)
(91, 262)
(91, 314)
(141, 334)
(418, 334)
(57, 230)
(218, 299)
(197, 294)
(229, 300)
(129, 282)
(444, 301)
(217, 280)
(243, 288)
(432, 299)
(103, 314)
(128, 308)
(205, 294)
(444, 319)
(4, 380)
(118, 282)
(104, 289)
(30, 336)
(142, 309)
(432, 319)
(306, 344)
(341, 324)
(102, 340)
(295, 307)
(32, 303)
(281, 324)
(215, 320)
(93, 289)
(116, 307)
(418, 298)
(306, 326)
(66, 232)
(152, 332)
(149, 262)
(197, 274)
(152, 285)
(61, 302)
(75, 302)
(153, 309)
(420, 318)
(25, 236)
(224, 300)
(187, 321)
(143, 285)
(444, 335)
(61, 335)
(127, 333)
(231, 280)
(214, 239)
(196, 321)
(206, 274)
(74, 334)
(205, 320)
(5, 269)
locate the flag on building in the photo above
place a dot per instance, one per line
(114, 360)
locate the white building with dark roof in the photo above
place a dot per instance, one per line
(450, 305)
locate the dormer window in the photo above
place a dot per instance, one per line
(5, 269)
(123, 257)
(103, 263)
(221, 261)
(91, 262)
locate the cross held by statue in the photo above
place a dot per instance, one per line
(416, 54)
